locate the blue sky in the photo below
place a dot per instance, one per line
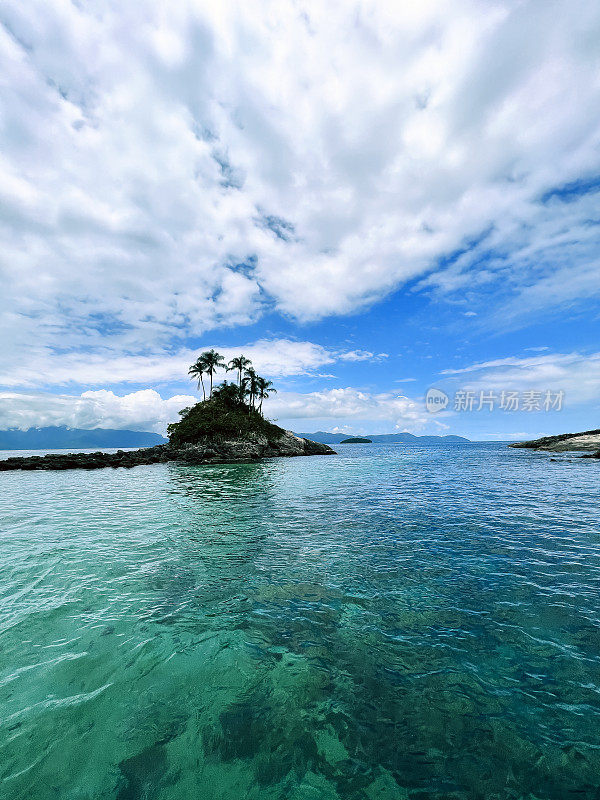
(368, 199)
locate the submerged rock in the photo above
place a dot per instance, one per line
(209, 451)
(592, 455)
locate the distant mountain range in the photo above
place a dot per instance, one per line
(61, 438)
(405, 438)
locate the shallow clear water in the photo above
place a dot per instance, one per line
(390, 622)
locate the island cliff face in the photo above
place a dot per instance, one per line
(208, 451)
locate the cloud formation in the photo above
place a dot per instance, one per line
(362, 355)
(274, 357)
(576, 374)
(144, 410)
(147, 410)
(350, 403)
(167, 170)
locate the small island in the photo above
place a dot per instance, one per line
(356, 440)
(226, 426)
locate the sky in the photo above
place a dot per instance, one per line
(368, 199)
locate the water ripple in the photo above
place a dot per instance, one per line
(391, 622)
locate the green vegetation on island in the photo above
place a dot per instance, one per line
(231, 410)
(356, 440)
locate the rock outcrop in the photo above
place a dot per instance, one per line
(586, 440)
(251, 448)
(209, 451)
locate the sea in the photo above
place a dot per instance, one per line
(395, 621)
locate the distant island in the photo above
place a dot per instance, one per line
(381, 438)
(59, 437)
(356, 440)
(584, 440)
(227, 425)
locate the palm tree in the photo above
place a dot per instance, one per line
(228, 393)
(210, 361)
(264, 389)
(197, 371)
(250, 386)
(240, 363)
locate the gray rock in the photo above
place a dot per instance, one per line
(586, 440)
(252, 448)
(592, 455)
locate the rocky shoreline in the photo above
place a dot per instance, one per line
(209, 451)
(588, 441)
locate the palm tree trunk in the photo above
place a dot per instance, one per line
(211, 383)
(203, 391)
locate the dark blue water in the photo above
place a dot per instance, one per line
(392, 622)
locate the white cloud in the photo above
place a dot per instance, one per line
(576, 374)
(362, 355)
(273, 357)
(349, 403)
(143, 410)
(166, 171)
(146, 410)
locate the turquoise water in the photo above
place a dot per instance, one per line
(390, 622)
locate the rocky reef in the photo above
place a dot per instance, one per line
(207, 450)
(585, 440)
